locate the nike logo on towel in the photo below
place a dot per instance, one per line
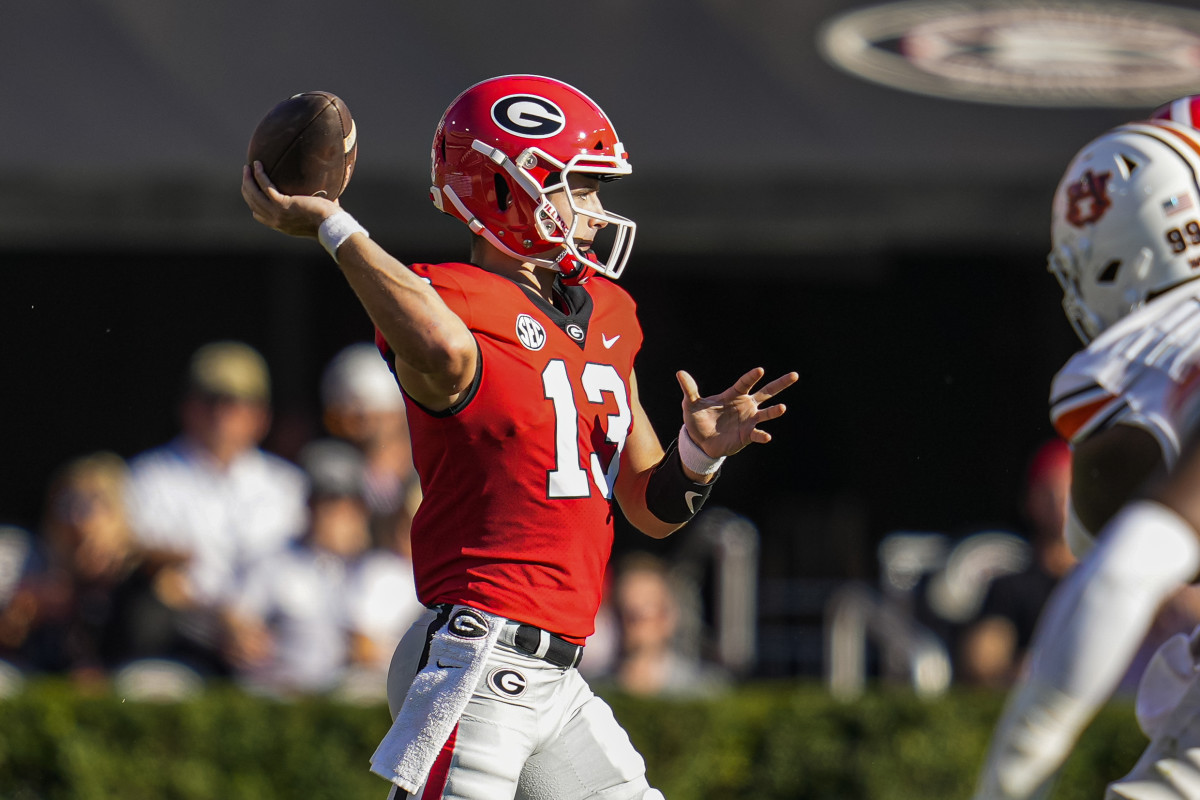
(690, 499)
(607, 342)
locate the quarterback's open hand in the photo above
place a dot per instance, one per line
(725, 423)
(295, 215)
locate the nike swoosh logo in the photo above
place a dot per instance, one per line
(607, 342)
(690, 499)
(448, 666)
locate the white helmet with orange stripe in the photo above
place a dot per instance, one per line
(1126, 222)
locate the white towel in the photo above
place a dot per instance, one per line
(458, 653)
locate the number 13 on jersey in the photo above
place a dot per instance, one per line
(569, 478)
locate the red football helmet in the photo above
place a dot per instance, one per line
(503, 145)
(1185, 110)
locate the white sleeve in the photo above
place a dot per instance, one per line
(1088, 633)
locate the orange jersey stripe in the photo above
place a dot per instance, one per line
(1072, 421)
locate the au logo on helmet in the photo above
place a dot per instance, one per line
(1087, 198)
(528, 115)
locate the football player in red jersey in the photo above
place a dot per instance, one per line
(1126, 235)
(517, 369)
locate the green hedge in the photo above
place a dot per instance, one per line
(789, 741)
(783, 740)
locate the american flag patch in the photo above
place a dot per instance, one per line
(1177, 204)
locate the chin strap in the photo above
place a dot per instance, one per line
(574, 272)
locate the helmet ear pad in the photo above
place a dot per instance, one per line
(487, 193)
(503, 199)
(517, 215)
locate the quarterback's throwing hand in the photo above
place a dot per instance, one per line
(725, 423)
(294, 215)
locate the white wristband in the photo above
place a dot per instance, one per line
(694, 458)
(336, 229)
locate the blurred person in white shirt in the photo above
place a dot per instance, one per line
(330, 608)
(210, 502)
(362, 404)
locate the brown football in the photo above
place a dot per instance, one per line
(307, 144)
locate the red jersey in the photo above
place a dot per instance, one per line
(516, 516)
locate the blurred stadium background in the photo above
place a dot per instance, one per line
(879, 225)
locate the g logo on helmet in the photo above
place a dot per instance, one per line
(507, 682)
(529, 116)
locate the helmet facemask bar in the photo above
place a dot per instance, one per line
(1061, 264)
(549, 225)
(614, 238)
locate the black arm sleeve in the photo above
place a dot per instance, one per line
(670, 494)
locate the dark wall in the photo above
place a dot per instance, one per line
(923, 376)
(922, 393)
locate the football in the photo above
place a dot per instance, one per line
(307, 144)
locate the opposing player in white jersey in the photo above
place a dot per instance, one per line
(1126, 247)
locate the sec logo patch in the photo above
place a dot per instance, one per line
(507, 682)
(530, 332)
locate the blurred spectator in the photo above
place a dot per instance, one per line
(16, 548)
(648, 614)
(600, 653)
(60, 617)
(362, 404)
(383, 600)
(210, 502)
(297, 624)
(993, 647)
(16, 557)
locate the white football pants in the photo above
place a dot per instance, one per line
(531, 731)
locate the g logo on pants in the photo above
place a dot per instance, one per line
(507, 682)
